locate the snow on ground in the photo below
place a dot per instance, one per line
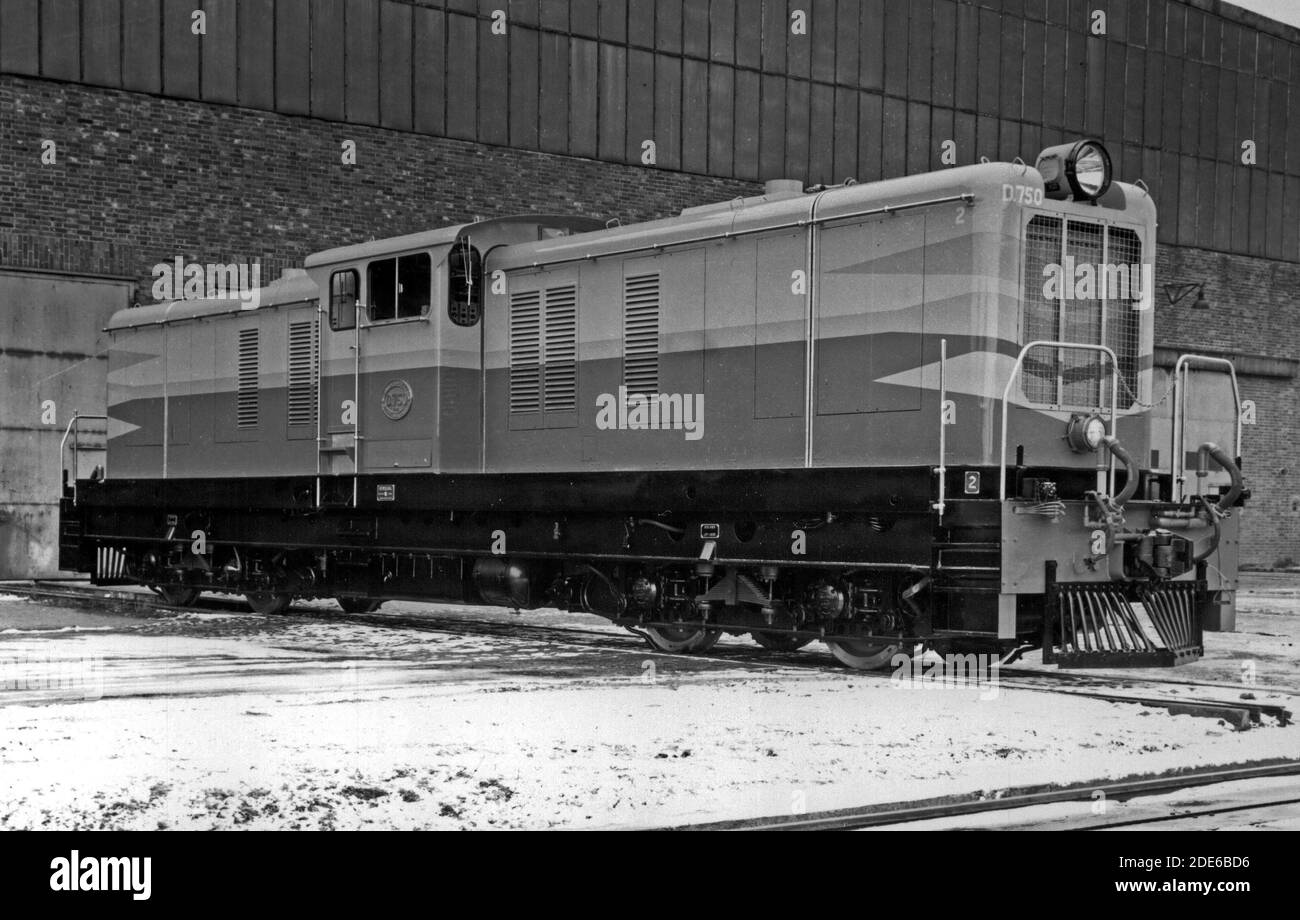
(222, 719)
(523, 754)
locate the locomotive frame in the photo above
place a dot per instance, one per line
(845, 495)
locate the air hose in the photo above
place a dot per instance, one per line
(1130, 485)
(1220, 457)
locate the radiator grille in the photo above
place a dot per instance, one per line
(1123, 321)
(1096, 306)
(1081, 321)
(1042, 318)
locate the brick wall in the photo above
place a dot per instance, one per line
(1254, 307)
(142, 179)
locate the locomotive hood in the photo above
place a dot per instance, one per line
(294, 286)
(991, 187)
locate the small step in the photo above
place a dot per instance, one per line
(968, 557)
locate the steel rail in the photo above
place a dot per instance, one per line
(460, 624)
(909, 812)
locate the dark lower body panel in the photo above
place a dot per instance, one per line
(856, 557)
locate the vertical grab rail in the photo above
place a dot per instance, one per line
(356, 408)
(940, 505)
(813, 266)
(73, 426)
(1178, 430)
(1006, 397)
(320, 385)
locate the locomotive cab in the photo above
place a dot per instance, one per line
(400, 353)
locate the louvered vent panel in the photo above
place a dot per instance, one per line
(246, 394)
(560, 392)
(641, 333)
(303, 357)
(525, 352)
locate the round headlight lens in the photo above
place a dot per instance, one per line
(1093, 431)
(1085, 432)
(1092, 170)
(1079, 169)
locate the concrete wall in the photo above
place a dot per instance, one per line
(53, 363)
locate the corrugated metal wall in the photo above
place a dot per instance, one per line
(723, 87)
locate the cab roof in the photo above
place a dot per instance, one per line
(513, 229)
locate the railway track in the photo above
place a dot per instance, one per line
(1012, 800)
(1239, 713)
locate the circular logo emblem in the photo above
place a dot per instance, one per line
(397, 399)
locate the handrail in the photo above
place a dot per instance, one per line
(941, 504)
(1178, 428)
(63, 445)
(1015, 372)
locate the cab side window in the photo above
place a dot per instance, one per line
(465, 285)
(399, 288)
(414, 285)
(343, 299)
(381, 287)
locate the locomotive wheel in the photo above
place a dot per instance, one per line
(861, 655)
(268, 603)
(679, 639)
(779, 642)
(178, 595)
(358, 604)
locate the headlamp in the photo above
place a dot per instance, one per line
(1080, 169)
(1084, 433)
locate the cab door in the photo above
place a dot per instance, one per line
(397, 385)
(339, 409)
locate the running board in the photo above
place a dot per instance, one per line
(1114, 626)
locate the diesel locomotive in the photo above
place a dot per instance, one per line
(920, 412)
